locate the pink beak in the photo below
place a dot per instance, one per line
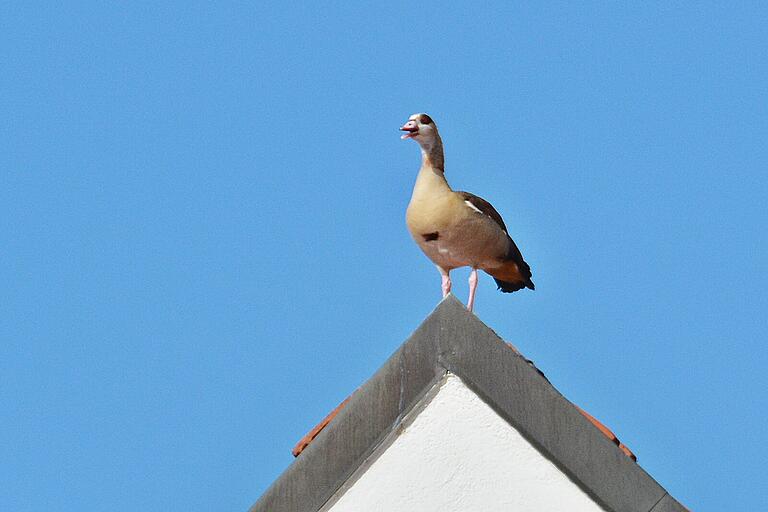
(411, 128)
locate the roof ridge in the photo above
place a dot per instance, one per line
(452, 339)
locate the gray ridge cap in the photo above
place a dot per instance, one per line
(373, 411)
(453, 339)
(668, 504)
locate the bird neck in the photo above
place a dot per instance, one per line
(431, 182)
(432, 155)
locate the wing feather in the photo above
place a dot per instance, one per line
(484, 207)
(514, 255)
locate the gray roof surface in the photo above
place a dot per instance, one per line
(453, 339)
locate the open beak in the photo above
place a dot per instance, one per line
(412, 128)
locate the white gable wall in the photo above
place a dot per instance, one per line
(457, 454)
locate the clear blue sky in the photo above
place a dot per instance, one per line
(204, 250)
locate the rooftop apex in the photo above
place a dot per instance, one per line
(451, 339)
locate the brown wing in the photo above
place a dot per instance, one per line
(521, 268)
(485, 207)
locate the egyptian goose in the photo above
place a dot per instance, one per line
(458, 229)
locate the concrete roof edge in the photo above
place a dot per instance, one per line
(373, 411)
(528, 402)
(668, 504)
(453, 339)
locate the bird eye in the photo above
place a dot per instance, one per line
(425, 119)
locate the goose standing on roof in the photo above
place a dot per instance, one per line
(458, 229)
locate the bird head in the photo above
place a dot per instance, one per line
(422, 129)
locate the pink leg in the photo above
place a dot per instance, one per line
(472, 288)
(446, 282)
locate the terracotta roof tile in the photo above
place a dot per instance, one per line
(607, 433)
(312, 434)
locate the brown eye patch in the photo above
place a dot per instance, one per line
(425, 119)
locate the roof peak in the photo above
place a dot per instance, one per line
(451, 339)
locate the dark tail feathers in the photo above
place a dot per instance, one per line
(523, 269)
(509, 286)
